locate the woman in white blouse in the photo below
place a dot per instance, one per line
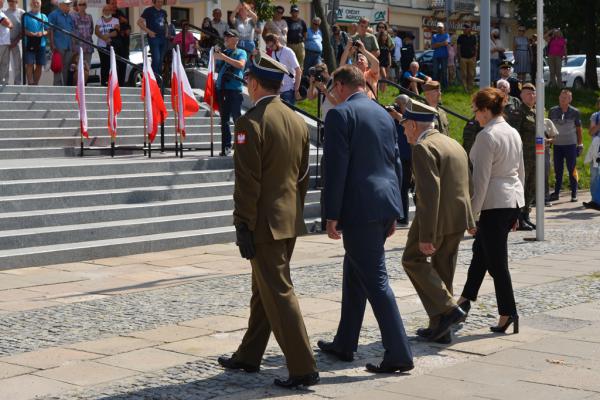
(498, 181)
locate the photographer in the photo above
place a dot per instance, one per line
(366, 62)
(290, 89)
(321, 85)
(230, 64)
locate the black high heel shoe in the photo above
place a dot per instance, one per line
(466, 307)
(512, 319)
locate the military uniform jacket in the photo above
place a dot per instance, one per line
(271, 165)
(441, 122)
(523, 120)
(441, 171)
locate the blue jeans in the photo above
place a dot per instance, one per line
(365, 278)
(595, 184)
(562, 153)
(440, 70)
(247, 45)
(311, 58)
(289, 96)
(494, 69)
(158, 48)
(230, 106)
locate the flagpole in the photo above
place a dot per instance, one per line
(212, 127)
(80, 138)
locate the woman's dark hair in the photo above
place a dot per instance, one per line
(490, 98)
(205, 20)
(380, 40)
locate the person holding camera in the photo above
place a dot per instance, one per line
(366, 62)
(230, 64)
(290, 89)
(320, 84)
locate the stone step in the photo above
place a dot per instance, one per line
(66, 104)
(51, 152)
(64, 89)
(118, 212)
(72, 252)
(100, 122)
(113, 196)
(74, 131)
(102, 166)
(192, 140)
(108, 182)
(73, 113)
(125, 97)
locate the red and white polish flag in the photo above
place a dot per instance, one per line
(186, 101)
(210, 90)
(156, 111)
(113, 95)
(80, 95)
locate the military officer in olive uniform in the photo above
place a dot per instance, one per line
(513, 104)
(433, 95)
(271, 181)
(523, 120)
(441, 172)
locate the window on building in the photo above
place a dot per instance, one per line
(179, 14)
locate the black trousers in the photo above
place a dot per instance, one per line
(405, 185)
(490, 253)
(104, 67)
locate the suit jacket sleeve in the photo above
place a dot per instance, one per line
(398, 165)
(337, 159)
(427, 178)
(248, 168)
(482, 158)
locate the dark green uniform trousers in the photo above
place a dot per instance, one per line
(432, 279)
(274, 307)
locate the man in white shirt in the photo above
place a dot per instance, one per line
(396, 55)
(5, 28)
(15, 14)
(290, 87)
(218, 23)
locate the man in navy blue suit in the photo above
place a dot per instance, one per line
(362, 197)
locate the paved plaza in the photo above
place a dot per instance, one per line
(151, 326)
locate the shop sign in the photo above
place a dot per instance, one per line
(455, 25)
(353, 14)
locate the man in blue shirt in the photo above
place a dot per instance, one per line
(153, 21)
(413, 78)
(313, 45)
(230, 64)
(439, 44)
(61, 42)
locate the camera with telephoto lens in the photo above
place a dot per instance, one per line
(316, 73)
(217, 48)
(355, 42)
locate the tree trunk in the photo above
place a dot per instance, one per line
(590, 36)
(326, 34)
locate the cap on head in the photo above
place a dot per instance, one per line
(67, 2)
(419, 112)
(431, 85)
(528, 86)
(439, 25)
(403, 99)
(466, 26)
(268, 68)
(506, 64)
(294, 8)
(231, 33)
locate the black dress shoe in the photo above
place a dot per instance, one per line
(466, 307)
(424, 332)
(448, 319)
(295, 381)
(445, 339)
(329, 348)
(384, 368)
(230, 363)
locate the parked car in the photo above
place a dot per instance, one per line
(573, 70)
(425, 60)
(510, 57)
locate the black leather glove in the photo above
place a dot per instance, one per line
(245, 241)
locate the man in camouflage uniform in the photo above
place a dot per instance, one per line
(433, 95)
(523, 120)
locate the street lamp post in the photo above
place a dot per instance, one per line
(484, 48)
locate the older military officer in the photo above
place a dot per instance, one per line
(523, 120)
(362, 197)
(433, 96)
(271, 180)
(441, 172)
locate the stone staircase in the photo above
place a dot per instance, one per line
(56, 207)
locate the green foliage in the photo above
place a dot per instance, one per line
(264, 9)
(457, 100)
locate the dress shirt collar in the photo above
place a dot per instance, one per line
(265, 98)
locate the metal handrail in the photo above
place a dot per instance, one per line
(422, 99)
